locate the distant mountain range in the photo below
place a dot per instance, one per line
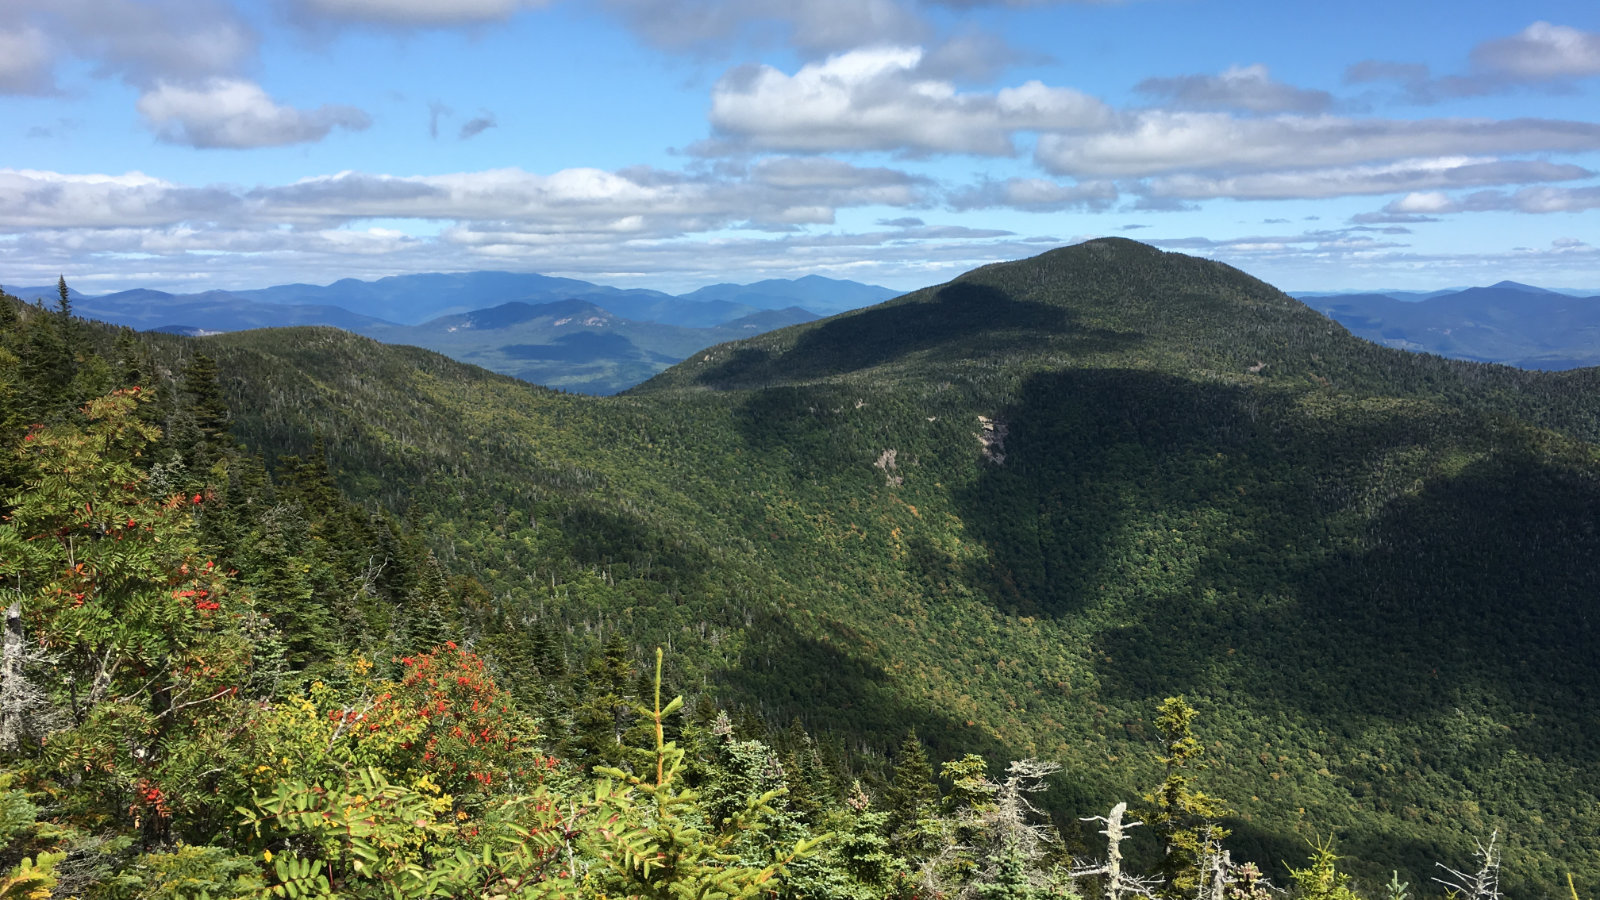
(1516, 324)
(574, 344)
(590, 338)
(559, 332)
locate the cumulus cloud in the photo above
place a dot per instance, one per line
(1159, 141)
(1405, 175)
(1035, 195)
(236, 114)
(821, 172)
(1542, 52)
(183, 55)
(39, 199)
(423, 13)
(815, 25)
(639, 200)
(26, 62)
(578, 221)
(646, 200)
(1333, 241)
(877, 99)
(140, 41)
(1537, 199)
(1248, 88)
(1417, 82)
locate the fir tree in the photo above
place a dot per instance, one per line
(1321, 879)
(47, 369)
(1183, 818)
(428, 626)
(803, 775)
(605, 709)
(1011, 880)
(205, 414)
(911, 795)
(291, 586)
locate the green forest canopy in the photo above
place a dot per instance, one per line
(1011, 514)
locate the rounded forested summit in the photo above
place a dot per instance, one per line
(1106, 302)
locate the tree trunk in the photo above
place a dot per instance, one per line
(11, 687)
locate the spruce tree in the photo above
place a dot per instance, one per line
(1010, 881)
(65, 324)
(206, 413)
(605, 708)
(809, 791)
(911, 795)
(429, 627)
(1183, 818)
(47, 370)
(288, 579)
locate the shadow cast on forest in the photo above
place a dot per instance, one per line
(1479, 583)
(970, 320)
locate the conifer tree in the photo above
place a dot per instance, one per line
(290, 582)
(1011, 880)
(132, 365)
(206, 413)
(65, 325)
(428, 627)
(803, 775)
(911, 795)
(605, 709)
(47, 370)
(1183, 818)
(1321, 878)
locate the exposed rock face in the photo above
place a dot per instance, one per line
(993, 440)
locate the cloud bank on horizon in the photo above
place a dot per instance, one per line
(671, 143)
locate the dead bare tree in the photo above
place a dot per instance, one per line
(25, 708)
(12, 685)
(1483, 884)
(1012, 828)
(1117, 883)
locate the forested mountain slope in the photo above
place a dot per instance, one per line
(1508, 322)
(571, 345)
(1017, 510)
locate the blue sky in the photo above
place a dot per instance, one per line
(196, 144)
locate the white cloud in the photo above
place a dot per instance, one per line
(816, 25)
(1159, 141)
(196, 259)
(1036, 195)
(1542, 52)
(798, 172)
(237, 114)
(144, 41)
(876, 99)
(39, 199)
(1405, 175)
(639, 200)
(1534, 200)
(1249, 88)
(424, 13)
(26, 61)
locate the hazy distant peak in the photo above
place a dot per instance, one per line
(1519, 286)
